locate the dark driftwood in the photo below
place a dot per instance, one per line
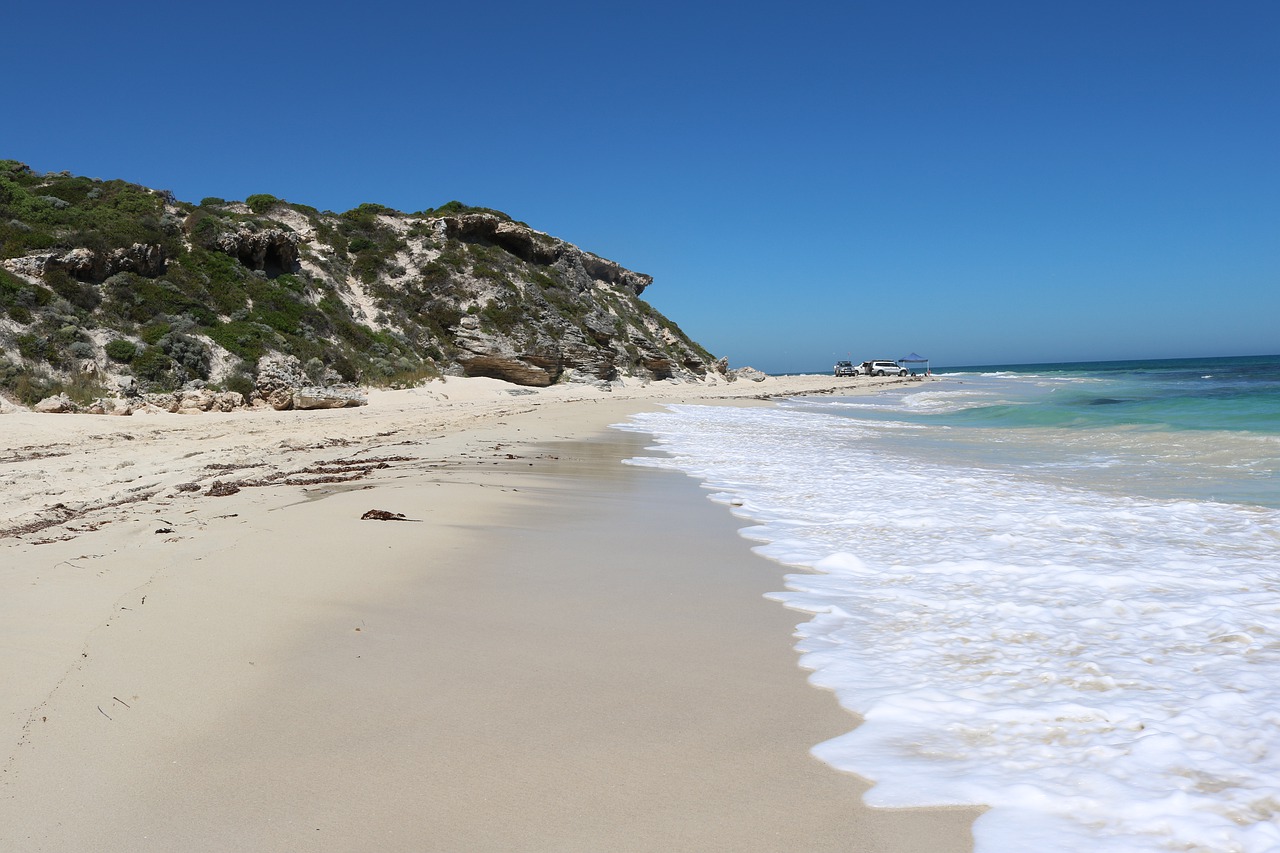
(384, 515)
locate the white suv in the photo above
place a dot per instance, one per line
(884, 368)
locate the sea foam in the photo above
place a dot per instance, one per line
(1102, 670)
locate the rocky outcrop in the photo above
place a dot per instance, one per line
(58, 404)
(494, 356)
(520, 240)
(113, 406)
(748, 373)
(610, 272)
(194, 400)
(271, 250)
(93, 266)
(328, 397)
(538, 248)
(191, 400)
(575, 356)
(283, 385)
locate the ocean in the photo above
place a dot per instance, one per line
(1050, 589)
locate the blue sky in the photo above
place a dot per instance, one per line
(981, 182)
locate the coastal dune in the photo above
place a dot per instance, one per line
(540, 649)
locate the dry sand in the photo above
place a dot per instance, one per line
(555, 652)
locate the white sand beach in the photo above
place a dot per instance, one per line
(551, 651)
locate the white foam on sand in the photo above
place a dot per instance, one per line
(1102, 670)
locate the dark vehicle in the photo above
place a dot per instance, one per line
(846, 368)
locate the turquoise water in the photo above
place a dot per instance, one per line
(1201, 429)
(1238, 393)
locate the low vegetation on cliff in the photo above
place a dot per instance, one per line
(104, 283)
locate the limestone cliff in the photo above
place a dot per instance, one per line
(107, 281)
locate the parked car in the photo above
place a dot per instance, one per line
(884, 368)
(846, 368)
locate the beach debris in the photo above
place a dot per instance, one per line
(26, 454)
(164, 530)
(331, 471)
(188, 487)
(383, 515)
(62, 514)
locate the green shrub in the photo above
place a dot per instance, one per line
(36, 347)
(543, 280)
(153, 333)
(327, 234)
(277, 303)
(245, 339)
(261, 202)
(151, 364)
(18, 297)
(189, 355)
(212, 201)
(434, 274)
(241, 381)
(503, 317)
(449, 208)
(141, 300)
(205, 284)
(61, 211)
(336, 317)
(486, 271)
(82, 388)
(314, 370)
(78, 293)
(121, 350)
(444, 314)
(566, 303)
(204, 227)
(26, 387)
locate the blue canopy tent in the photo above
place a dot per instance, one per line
(916, 358)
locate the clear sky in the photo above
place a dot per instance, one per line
(981, 182)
